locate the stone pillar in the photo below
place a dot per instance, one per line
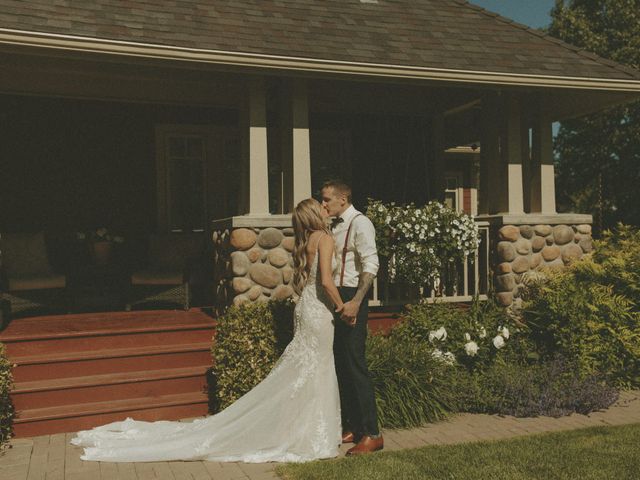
(296, 149)
(254, 190)
(252, 259)
(543, 190)
(525, 243)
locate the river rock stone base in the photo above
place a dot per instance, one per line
(526, 248)
(253, 264)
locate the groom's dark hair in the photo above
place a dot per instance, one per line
(338, 186)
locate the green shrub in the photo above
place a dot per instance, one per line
(412, 388)
(477, 324)
(590, 323)
(616, 262)
(6, 407)
(248, 341)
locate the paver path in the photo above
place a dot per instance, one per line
(51, 457)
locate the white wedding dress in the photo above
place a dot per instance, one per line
(293, 415)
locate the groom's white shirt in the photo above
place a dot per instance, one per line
(362, 255)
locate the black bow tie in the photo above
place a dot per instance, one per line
(336, 221)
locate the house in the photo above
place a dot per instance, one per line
(172, 117)
(218, 117)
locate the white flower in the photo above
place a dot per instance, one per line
(471, 348)
(505, 333)
(439, 334)
(483, 333)
(449, 358)
(467, 337)
(498, 341)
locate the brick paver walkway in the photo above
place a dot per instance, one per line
(51, 457)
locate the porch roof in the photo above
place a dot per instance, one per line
(449, 40)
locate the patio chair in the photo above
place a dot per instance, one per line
(166, 277)
(27, 280)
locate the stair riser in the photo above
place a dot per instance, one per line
(91, 343)
(48, 427)
(99, 393)
(79, 368)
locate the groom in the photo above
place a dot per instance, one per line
(355, 239)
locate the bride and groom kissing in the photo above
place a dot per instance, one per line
(318, 395)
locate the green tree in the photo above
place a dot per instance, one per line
(598, 156)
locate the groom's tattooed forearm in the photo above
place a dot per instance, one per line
(364, 284)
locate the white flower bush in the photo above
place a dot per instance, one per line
(419, 243)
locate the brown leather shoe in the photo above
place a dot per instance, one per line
(366, 445)
(350, 437)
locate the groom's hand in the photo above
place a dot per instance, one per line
(350, 312)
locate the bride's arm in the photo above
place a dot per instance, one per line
(325, 256)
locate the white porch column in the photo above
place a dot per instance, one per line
(255, 184)
(501, 188)
(301, 146)
(489, 155)
(512, 200)
(436, 166)
(543, 190)
(296, 150)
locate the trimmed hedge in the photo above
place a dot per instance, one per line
(6, 407)
(249, 339)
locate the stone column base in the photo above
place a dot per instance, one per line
(527, 243)
(252, 259)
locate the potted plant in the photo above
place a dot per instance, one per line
(100, 244)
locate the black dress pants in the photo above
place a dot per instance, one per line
(357, 397)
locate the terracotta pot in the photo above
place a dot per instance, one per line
(101, 252)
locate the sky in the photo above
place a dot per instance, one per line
(534, 13)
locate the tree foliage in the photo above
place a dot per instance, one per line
(598, 156)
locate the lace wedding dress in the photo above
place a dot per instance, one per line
(293, 415)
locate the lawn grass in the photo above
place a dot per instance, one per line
(584, 454)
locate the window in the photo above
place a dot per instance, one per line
(453, 193)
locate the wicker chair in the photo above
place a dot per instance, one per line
(28, 282)
(165, 278)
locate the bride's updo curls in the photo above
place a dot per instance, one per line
(307, 218)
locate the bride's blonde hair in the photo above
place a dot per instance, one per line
(307, 218)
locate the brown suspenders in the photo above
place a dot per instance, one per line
(344, 249)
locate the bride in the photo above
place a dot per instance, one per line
(293, 415)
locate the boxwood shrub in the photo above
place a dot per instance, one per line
(6, 407)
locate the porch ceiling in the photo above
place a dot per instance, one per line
(442, 40)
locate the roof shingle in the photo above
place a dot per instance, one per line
(447, 34)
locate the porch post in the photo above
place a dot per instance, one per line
(512, 200)
(543, 190)
(501, 189)
(436, 170)
(296, 150)
(489, 155)
(254, 190)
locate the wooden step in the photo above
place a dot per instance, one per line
(108, 387)
(107, 341)
(98, 362)
(71, 418)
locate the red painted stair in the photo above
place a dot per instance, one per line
(74, 372)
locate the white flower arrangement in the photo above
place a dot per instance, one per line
(419, 242)
(471, 348)
(440, 334)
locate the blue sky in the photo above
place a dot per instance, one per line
(534, 13)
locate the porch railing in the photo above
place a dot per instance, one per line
(467, 279)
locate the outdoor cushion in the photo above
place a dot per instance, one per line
(24, 254)
(37, 282)
(155, 277)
